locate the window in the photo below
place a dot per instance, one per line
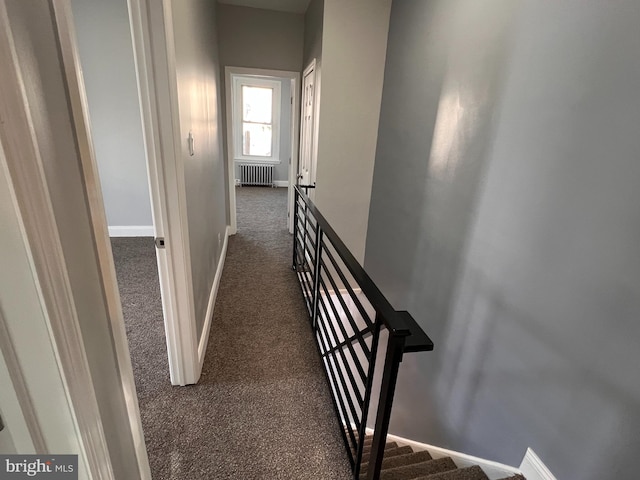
(256, 119)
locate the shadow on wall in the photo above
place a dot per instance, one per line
(504, 217)
(481, 358)
(432, 162)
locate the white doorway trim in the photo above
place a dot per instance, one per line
(295, 136)
(19, 414)
(23, 177)
(79, 109)
(154, 55)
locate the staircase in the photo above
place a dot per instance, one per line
(347, 327)
(402, 463)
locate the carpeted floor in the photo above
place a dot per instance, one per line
(262, 409)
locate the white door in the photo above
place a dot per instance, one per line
(163, 145)
(306, 168)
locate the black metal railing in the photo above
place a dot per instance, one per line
(360, 336)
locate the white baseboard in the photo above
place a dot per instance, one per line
(204, 337)
(493, 470)
(131, 231)
(533, 468)
(277, 183)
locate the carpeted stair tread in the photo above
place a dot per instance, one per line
(394, 452)
(388, 446)
(409, 472)
(402, 463)
(469, 473)
(401, 460)
(366, 449)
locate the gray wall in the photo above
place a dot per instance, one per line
(354, 42)
(106, 53)
(504, 217)
(199, 97)
(313, 19)
(38, 57)
(281, 170)
(257, 38)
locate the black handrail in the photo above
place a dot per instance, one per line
(349, 360)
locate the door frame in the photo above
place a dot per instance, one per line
(72, 70)
(155, 63)
(230, 72)
(67, 366)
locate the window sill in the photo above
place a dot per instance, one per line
(257, 161)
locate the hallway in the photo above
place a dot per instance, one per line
(262, 409)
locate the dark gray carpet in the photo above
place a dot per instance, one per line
(262, 408)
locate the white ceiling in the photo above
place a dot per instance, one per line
(296, 6)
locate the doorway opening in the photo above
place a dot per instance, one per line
(262, 124)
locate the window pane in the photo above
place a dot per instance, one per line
(256, 104)
(256, 139)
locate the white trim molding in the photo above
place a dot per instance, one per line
(131, 231)
(93, 194)
(493, 470)
(208, 319)
(229, 73)
(35, 210)
(276, 183)
(533, 468)
(20, 415)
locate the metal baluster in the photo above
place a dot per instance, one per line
(404, 332)
(316, 276)
(295, 231)
(367, 394)
(392, 361)
(305, 231)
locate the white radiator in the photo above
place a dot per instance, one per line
(256, 175)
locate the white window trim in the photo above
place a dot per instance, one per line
(238, 83)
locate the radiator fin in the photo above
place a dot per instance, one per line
(256, 174)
